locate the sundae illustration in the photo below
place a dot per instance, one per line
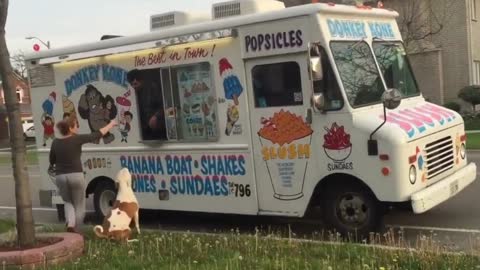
(337, 143)
(48, 122)
(280, 134)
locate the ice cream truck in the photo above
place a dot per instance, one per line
(258, 110)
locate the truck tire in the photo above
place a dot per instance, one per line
(351, 210)
(61, 212)
(103, 198)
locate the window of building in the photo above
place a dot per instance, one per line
(19, 92)
(175, 103)
(277, 84)
(475, 5)
(476, 72)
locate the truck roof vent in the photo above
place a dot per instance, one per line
(226, 10)
(244, 7)
(175, 18)
(162, 21)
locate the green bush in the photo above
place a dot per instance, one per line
(470, 94)
(452, 105)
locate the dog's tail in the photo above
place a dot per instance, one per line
(98, 230)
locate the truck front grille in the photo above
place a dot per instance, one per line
(440, 156)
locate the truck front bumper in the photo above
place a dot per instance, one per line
(444, 189)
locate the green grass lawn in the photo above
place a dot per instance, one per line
(161, 250)
(32, 158)
(472, 123)
(6, 225)
(473, 140)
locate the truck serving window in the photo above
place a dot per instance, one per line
(148, 90)
(277, 84)
(395, 67)
(358, 71)
(191, 103)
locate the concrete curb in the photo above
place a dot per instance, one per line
(71, 246)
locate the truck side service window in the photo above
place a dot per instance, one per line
(148, 90)
(277, 84)
(328, 85)
(192, 109)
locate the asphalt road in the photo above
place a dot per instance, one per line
(455, 224)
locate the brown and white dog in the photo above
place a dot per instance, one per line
(116, 225)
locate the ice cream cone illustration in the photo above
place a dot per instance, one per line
(231, 84)
(285, 139)
(232, 118)
(68, 107)
(48, 104)
(123, 106)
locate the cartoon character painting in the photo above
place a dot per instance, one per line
(125, 126)
(97, 110)
(125, 116)
(48, 122)
(233, 89)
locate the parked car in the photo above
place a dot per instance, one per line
(28, 129)
(29, 133)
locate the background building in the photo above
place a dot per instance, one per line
(443, 40)
(23, 97)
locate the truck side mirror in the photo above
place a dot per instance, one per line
(318, 101)
(392, 98)
(316, 66)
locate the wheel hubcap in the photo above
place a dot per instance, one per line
(106, 201)
(352, 210)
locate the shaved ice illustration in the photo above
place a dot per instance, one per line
(289, 137)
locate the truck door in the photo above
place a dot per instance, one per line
(279, 100)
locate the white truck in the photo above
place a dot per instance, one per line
(267, 110)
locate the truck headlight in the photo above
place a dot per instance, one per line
(412, 175)
(463, 151)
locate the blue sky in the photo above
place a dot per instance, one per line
(68, 22)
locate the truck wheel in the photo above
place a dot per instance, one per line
(351, 210)
(61, 212)
(103, 198)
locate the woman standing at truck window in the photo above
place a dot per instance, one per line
(65, 156)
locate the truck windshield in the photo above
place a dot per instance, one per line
(395, 67)
(358, 71)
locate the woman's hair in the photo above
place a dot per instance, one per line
(65, 125)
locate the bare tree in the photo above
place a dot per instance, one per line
(18, 62)
(420, 20)
(25, 228)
